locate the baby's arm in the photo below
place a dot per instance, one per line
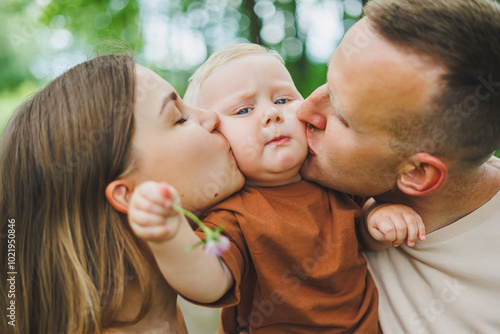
(384, 224)
(194, 274)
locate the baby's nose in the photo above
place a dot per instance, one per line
(273, 116)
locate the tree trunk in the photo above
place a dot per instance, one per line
(255, 23)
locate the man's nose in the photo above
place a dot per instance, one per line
(314, 107)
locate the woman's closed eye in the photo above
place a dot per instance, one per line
(181, 120)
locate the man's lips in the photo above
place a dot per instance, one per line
(280, 140)
(310, 137)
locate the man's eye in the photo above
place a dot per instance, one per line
(180, 121)
(344, 123)
(281, 101)
(243, 111)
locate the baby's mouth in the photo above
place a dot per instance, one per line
(279, 140)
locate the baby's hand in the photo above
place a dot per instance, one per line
(395, 223)
(150, 215)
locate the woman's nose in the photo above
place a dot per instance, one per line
(208, 119)
(313, 108)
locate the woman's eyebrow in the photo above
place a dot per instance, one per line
(170, 97)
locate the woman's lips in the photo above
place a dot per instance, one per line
(280, 140)
(224, 139)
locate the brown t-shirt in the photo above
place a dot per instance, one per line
(295, 261)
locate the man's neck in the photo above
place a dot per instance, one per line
(453, 201)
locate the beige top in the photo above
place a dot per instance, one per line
(449, 283)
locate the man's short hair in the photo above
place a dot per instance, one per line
(464, 37)
(219, 59)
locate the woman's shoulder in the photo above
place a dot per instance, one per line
(164, 316)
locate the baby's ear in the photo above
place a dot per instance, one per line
(118, 193)
(423, 174)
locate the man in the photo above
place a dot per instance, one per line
(410, 114)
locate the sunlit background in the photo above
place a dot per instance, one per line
(43, 38)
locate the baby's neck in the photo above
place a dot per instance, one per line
(273, 182)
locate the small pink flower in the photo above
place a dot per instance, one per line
(216, 246)
(214, 243)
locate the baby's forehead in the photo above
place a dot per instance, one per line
(256, 59)
(244, 77)
(260, 65)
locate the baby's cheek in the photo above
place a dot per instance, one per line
(293, 108)
(245, 152)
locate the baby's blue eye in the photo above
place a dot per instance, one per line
(244, 111)
(281, 101)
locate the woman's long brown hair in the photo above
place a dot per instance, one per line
(74, 254)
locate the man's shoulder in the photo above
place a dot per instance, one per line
(494, 162)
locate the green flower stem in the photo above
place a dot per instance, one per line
(192, 217)
(214, 243)
(198, 244)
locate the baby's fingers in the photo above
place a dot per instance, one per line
(153, 192)
(412, 226)
(401, 230)
(421, 228)
(415, 226)
(384, 231)
(157, 233)
(144, 218)
(377, 234)
(142, 203)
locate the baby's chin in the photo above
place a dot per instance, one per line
(274, 178)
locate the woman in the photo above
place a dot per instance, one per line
(70, 158)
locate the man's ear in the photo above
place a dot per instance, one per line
(422, 175)
(118, 193)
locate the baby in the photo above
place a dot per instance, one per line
(294, 264)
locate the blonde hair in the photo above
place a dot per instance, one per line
(75, 254)
(219, 59)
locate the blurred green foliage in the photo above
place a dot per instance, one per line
(43, 34)
(31, 26)
(91, 20)
(14, 66)
(36, 33)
